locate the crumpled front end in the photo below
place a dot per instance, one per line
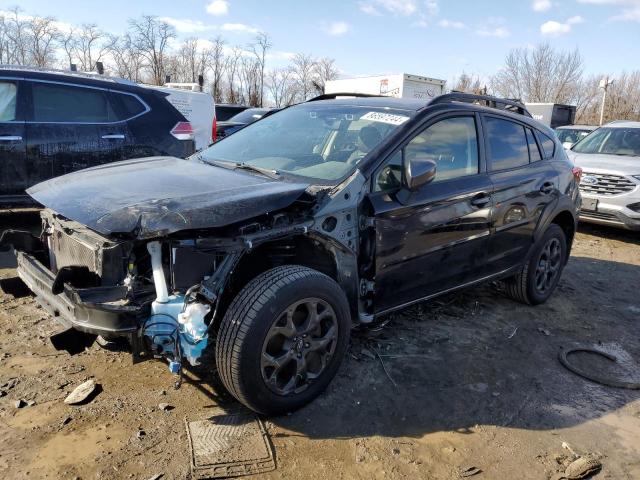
(78, 276)
(161, 294)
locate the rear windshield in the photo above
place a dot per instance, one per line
(612, 141)
(321, 141)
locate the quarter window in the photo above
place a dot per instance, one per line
(127, 106)
(8, 96)
(548, 146)
(63, 103)
(534, 151)
(451, 143)
(508, 146)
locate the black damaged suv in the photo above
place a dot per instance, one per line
(269, 246)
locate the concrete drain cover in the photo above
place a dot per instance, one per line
(229, 445)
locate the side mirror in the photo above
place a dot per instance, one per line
(567, 145)
(418, 171)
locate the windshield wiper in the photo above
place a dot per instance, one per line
(267, 172)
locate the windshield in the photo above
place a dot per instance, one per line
(249, 115)
(571, 135)
(320, 141)
(612, 141)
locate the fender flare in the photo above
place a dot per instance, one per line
(559, 205)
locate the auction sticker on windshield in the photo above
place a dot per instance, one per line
(389, 118)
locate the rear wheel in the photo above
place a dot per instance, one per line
(282, 339)
(537, 280)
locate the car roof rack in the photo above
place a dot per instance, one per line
(513, 106)
(70, 73)
(333, 96)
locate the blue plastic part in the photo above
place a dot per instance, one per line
(174, 367)
(190, 351)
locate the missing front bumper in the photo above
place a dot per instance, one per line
(100, 310)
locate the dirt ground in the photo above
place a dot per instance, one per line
(472, 380)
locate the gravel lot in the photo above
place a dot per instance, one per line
(470, 380)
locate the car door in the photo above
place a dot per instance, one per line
(524, 185)
(433, 239)
(67, 126)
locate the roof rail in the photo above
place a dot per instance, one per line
(486, 100)
(333, 96)
(92, 75)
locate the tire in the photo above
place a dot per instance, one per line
(524, 287)
(269, 316)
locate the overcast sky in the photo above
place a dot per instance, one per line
(436, 38)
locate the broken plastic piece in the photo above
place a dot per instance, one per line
(174, 367)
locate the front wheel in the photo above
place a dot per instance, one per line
(537, 280)
(282, 339)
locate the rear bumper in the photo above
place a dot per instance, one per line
(100, 310)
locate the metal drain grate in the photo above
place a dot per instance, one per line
(229, 445)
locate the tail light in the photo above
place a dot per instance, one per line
(183, 131)
(214, 129)
(577, 173)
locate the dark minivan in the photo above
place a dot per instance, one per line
(53, 123)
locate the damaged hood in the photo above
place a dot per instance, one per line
(161, 195)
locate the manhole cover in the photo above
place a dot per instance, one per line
(229, 445)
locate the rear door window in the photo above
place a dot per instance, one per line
(64, 103)
(507, 142)
(8, 101)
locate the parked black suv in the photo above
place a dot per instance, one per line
(53, 123)
(270, 245)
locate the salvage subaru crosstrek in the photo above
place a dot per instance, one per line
(269, 246)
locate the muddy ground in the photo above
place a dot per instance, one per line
(472, 380)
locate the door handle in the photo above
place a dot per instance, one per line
(547, 187)
(11, 138)
(114, 136)
(481, 200)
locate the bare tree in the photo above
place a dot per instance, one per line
(324, 70)
(43, 41)
(281, 86)
(17, 32)
(468, 84)
(232, 64)
(144, 53)
(259, 49)
(217, 64)
(128, 62)
(541, 74)
(303, 71)
(151, 37)
(85, 46)
(623, 99)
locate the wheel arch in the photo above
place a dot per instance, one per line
(312, 250)
(562, 213)
(567, 222)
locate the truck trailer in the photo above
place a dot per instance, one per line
(401, 85)
(553, 115)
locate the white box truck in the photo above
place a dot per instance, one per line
(402, 85)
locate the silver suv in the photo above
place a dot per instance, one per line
(610, 186)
